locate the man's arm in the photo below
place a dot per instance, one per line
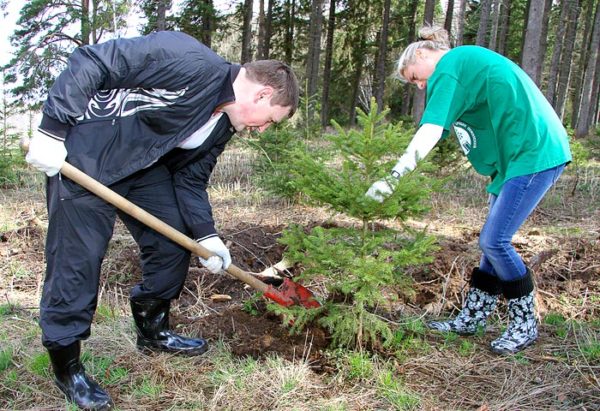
(159, 60)
(190, 185)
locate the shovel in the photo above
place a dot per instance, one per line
(287, 294)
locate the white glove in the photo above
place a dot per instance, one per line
(382, 188)
(46, 152)
(221, 260)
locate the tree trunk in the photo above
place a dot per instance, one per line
(584, 120)
(565, 73)
(314, 54)
(289, 32)
(449, 17)
(260, 47)
(588, 11)
(497, 6)
(208, 22)
(543, 40)
(247, 32)
(504, 25)
(382, 56)
(268, 29)
(161, 15)
(484, 21)
(419, 95)
(407, 89)
(460, 19)
(429, 11)
(530, 60)
(93, 37)
(359, 61)
(559, 41)
(360, 11)
(327, 67)
(594, 105)
(86, 29)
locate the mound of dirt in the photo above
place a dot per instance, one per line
(261, 333)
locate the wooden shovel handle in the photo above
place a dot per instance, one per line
(143, 216)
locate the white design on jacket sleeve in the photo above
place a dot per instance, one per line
(127, 102)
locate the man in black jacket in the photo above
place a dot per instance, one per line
(148, 117)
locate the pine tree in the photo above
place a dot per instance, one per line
(358, 263)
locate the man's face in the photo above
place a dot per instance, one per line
(258, 114)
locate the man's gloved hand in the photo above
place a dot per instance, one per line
(382, 188)
(221, 260)
(46, 152)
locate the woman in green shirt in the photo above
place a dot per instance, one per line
(509, 132)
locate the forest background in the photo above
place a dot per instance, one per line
(344, 53)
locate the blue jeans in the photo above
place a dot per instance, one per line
(518, 198)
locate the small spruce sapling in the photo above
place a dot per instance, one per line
(358, 265)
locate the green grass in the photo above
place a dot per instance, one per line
(591, 351)
(17, 271)
(450, 338)
(147, 388)
(391, 389)
(519, 358)
(360, 366)
(39, 365)
(250, 305)
(10, 379)
(101, 368)
(466, 348)
(114, 376)
(106, 313)
(228, 369)
(6, 309)
(558, 323)
(6, 358)
(409, 337)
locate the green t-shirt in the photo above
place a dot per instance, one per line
(503, 123)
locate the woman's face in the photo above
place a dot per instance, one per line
(419, 72)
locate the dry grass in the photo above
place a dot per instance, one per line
(430, 372)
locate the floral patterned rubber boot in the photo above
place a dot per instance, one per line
(479, 304)
(522, 324)
(522, 327)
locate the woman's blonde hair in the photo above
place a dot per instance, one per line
(430, 37)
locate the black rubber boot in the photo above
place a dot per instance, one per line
(72, 380)
(152, 327)
(479, 303)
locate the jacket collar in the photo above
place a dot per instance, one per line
(227, 94)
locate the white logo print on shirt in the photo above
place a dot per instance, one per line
(465, 135)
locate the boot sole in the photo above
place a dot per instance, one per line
(461, 333)
(150, 349)
(110, 405)
(516, 350)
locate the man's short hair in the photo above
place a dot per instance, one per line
(278, 75)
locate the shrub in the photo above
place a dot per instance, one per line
(272, 168)
(360, 262)
(12, 165)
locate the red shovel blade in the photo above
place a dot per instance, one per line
(290, 293)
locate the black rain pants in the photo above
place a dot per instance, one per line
(79, 230)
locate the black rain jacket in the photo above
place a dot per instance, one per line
(124, 104)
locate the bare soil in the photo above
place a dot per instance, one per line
(217, 307)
